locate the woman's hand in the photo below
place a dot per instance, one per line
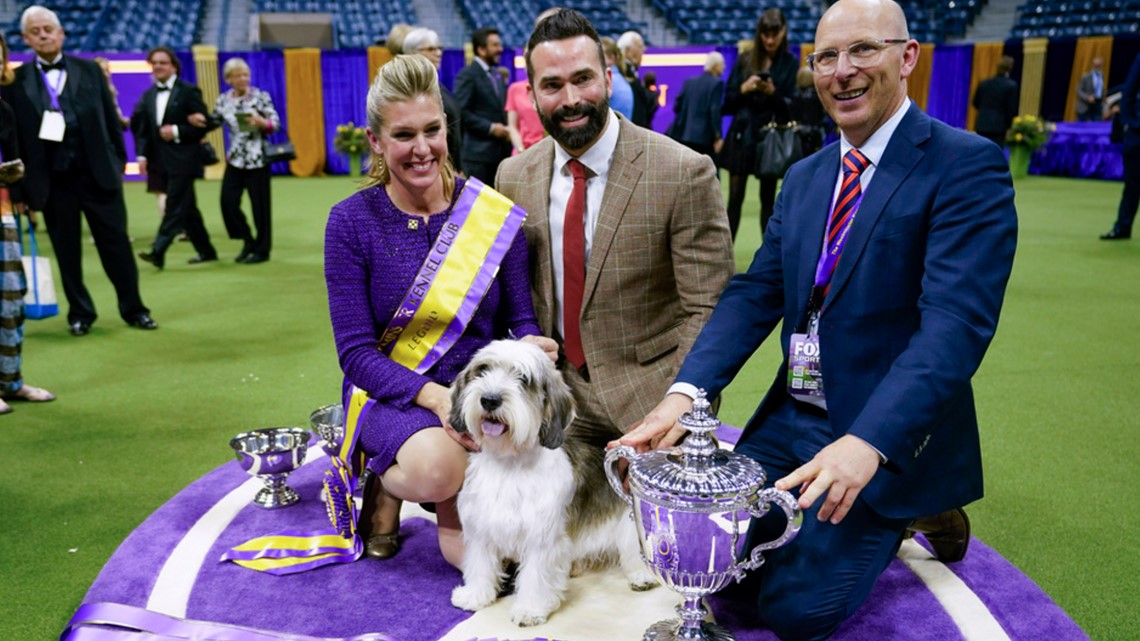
(549, 346)
(750, 85)
(437, 398)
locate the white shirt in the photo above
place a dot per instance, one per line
(597, 160)
(162, 98)
(56, 78)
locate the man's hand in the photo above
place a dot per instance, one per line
(499, 130)
(841, 469)
(166, 132)
(142, 167)
(659, 428)
(549, 346)
(718, 145)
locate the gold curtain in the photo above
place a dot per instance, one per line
(1087, 49)
(1032, 75)
(206, 66)
(918, 84)
(986, 57)
(377, 57)
(305, 109)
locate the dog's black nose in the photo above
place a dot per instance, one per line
(490, 402)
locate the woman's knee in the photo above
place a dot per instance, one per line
(436, 480)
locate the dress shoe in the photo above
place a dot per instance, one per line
(80, 328)
(246, 250)
(153, 258)
(255, 258)
(1117, 234)
(382, 546)
(143, 321)
(948, 533)
(202, 259)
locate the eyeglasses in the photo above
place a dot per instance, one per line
(862, 54)
(435, 48)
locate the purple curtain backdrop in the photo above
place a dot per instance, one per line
(344, 75)
(452, 63)
(1058, 66)
(949, 95)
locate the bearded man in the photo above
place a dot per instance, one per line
(628, 235)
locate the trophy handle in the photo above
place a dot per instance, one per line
(791, 508)
(612, 456)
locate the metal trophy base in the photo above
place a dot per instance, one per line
(276, 495)
(673, 630)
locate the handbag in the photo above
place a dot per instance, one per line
(779, 147)
(207, 154)
(279, 152)
(39, 300)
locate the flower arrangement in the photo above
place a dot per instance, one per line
(350, 139)
(1029, 131)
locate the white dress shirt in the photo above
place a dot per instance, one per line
(56, 78)
(597, 160)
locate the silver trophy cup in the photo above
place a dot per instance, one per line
(271, 454)
(692, 505)
(328, 422)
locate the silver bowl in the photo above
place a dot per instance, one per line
(328, 422)
(271, 454)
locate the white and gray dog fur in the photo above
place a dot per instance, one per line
(532, 494)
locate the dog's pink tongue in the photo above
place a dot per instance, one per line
(491, 428)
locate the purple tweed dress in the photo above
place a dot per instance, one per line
(372, 253)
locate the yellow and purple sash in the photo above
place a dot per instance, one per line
(443, 298)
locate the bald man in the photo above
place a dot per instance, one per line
(887, 260)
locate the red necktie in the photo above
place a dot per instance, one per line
(854, 164)
(574, 265)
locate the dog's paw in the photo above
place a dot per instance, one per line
(525, 617)
(641, 581)
(472, 599)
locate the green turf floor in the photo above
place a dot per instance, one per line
(140, 415)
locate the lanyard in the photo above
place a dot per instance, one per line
(54, 91)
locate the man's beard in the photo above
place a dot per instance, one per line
(578, 137)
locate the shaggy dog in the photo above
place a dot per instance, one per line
(532, 494)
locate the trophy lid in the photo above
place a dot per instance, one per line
(697, 472)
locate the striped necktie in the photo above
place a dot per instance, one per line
(850, 195)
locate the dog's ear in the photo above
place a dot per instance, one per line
(455, 416)
(557, 413)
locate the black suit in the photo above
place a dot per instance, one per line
(180, 161)
(83, 173)
(698, 120)
(482, 101)
(996, 100)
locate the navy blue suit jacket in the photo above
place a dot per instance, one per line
(913, 305)
(698, 110)
(481, 106)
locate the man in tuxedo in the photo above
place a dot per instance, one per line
(996, 100)
(171, 114)
(481, 93)
(887, 260)
(698, 122)
(1090, 93)
(628, 235)
(72, 146)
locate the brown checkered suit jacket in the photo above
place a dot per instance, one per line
(661, 255)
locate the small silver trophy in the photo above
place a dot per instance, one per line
(271, 454)
(328, 422)
(692, 505)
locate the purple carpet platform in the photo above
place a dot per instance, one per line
(169, 569)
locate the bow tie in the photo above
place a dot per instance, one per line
(161, 88)
(48, 67)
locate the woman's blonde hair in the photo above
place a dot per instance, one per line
(232, 65)
(7, 76)
(404, 78)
